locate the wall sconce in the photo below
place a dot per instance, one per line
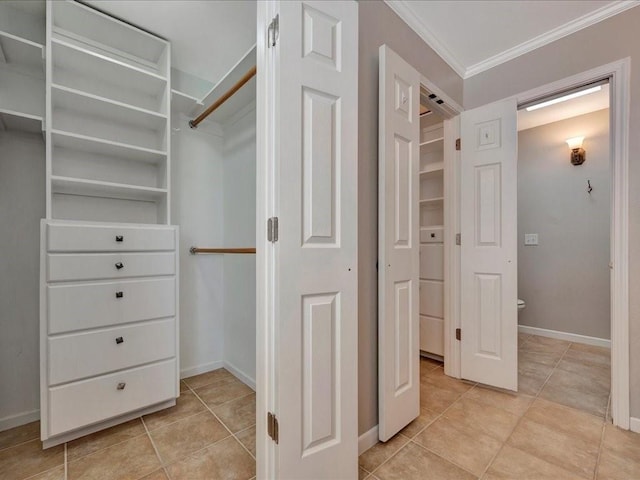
(578, 155)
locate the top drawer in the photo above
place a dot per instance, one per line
(98, 238)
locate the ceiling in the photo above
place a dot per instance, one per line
(475, 35)
(207, 37)
(563, 110)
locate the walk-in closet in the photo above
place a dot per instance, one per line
(128, 196)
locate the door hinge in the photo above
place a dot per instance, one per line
(272, 229)
(273, 31)
(457, 144)
(458, 239)
(272, 427)
(458, 334)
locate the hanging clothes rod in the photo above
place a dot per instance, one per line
(195, 250)
(212, 108)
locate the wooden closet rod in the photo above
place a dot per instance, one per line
(194, 250)
(212, 108)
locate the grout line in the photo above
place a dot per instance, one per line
(153, 444)
(66, 462)
(597, 467)
(443, 458)
(21, 443)
(224, 424)
(422, 430)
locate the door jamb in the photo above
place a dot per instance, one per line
(618, 73)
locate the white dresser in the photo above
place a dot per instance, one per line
(109, 324)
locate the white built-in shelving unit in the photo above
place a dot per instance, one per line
(432, 240)
(108, 117)
(22, 74)
(109, 321)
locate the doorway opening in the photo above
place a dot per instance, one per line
(564, 212)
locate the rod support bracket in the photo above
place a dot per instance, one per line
(193, 250)
(192, 125)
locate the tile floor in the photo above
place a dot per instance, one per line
(555, 428)
(209, 434)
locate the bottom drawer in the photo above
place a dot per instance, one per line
(90, 401)
(432, 335)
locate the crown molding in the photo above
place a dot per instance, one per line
(404, 10)
(546, 38)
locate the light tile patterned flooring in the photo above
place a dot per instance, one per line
(209, 434)
(555, 428)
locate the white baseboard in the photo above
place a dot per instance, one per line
(570, 337)
(367, 440)
(240, 375)
(634, 424)
(19, 419)
(198, 369)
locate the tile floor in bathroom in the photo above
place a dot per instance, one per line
(556, 428)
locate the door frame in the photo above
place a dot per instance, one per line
(618, 73)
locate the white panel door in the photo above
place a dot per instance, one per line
(316, 358)
(489, 275)
(398, 244)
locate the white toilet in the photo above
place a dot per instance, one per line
(520, 304)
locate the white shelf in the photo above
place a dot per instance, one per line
(82, 62)
(183, 103)
(432, 227)
(117, 112)
(23, 122)
(432, 145)
(109, 148)
(22, 53)
(432, 201)
(433, 168)
(108, 35)
(96, 188)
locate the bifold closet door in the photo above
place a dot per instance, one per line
(489, 275)
(315, 62)
(398, 244)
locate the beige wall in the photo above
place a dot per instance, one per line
(564, 280)
(605, 42)
(380, 25)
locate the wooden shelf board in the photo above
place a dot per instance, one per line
(432, 145)
(96, 188)
(427, 201)
(109, 148)
(433, 227)
(93, 105)
(75, 58)
(15, 50)
(433, 168)
(23, 122)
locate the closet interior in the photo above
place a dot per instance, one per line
(113, 284)
(432, 225)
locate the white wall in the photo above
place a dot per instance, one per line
(565, 279)
(22, 205)
(240, 231)
(197, 207)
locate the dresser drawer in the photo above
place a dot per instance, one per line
(90, 305)
(99, 238)
(90, 401)
(95, 266)
(88, 354)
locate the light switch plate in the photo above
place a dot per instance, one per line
(531, 239)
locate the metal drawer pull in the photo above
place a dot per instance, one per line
(121, 385)
(119, 294)
(119, 340)
(119, 238)
(119, 265)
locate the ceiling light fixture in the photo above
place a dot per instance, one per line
(564, 98)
